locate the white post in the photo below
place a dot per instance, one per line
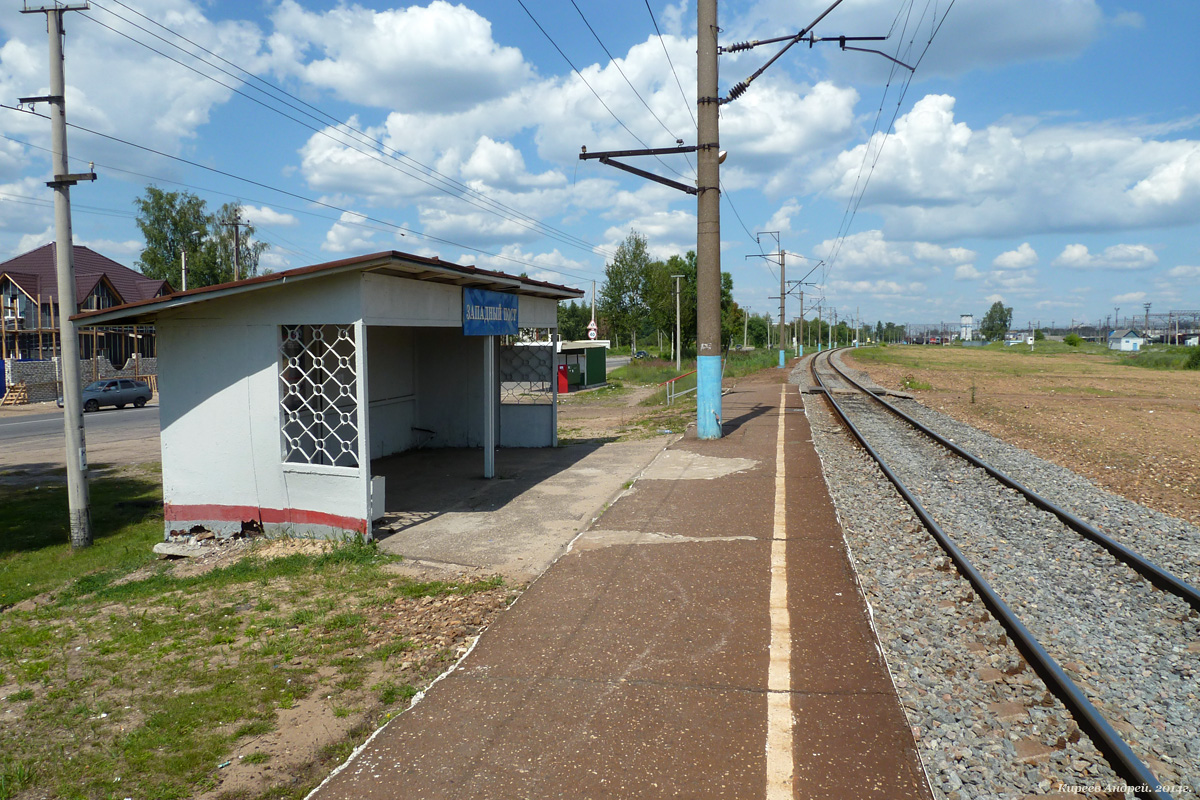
(491, 393)
(555, 338)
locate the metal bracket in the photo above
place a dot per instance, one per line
(70, 179)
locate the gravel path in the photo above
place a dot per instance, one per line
(985, 724)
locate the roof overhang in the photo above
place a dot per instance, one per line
(401, 265)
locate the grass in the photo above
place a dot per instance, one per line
(157, 678)
(35, 553)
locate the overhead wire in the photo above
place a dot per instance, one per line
(426, 175)
(592, 89)
(617, 64)
(402, 229)
(854, 202)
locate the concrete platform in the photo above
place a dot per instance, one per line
(646, 662)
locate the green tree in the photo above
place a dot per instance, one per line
(573, 320)
(173, 223)
(686, 266)
(623, 296)
(996, 321)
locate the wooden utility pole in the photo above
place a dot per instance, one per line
(77, 478)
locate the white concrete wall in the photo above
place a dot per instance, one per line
(392, 389)
(388, 300)
(537, 312)
(527, 425)
(219, 413)
(450, 380)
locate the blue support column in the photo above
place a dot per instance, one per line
(708, 397)
(782, 358)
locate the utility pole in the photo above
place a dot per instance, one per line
(800, 337)
(782, 307)
(678, 327)
(1146, 328)
(745, 325)
(237, 243)
(708, 226)
(64, 251)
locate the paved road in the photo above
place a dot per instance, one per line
(612, 362)
(35, 441)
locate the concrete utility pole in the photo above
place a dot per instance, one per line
(64, 251)
(678, 327)
(708, 226)
(1146, 328)
(800, 336)
(782, 311)
(745, 325)
(237, 243)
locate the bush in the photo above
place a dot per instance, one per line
(1073, 339)
(1193, 361)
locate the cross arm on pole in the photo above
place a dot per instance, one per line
(608, 157)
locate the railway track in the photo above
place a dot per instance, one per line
(1065, 592)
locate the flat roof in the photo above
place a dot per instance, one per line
(392, 262)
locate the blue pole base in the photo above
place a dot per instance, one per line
(708, 397)
(782, 358)
(800, 350)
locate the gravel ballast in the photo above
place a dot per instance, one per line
(985, 724)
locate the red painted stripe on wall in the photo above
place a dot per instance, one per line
(267, 516)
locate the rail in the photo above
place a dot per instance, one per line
(670, 384)
(1101, 731)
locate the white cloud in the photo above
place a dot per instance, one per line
(349, 235)
(882, 289)
(967, 272)
(979, 34)
(938, 178)
(264, 216)
(781, 220)
(125, 252)
(1117, 257)
(946, 256)
(1021, 258)
(439, 56)
(674, 16)
(1184, 271)
(32, 241)
(1129, 297)
(109, 81)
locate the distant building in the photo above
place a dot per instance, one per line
(966, 327)
(30, 307)
(1127, 339)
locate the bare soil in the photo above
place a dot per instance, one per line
(1133, 431)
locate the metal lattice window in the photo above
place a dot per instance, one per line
(318, 394)
(526, 372)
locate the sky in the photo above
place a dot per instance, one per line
(1042, 153)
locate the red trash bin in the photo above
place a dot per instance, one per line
(562, 378)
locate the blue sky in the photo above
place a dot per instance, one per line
(1045, 153)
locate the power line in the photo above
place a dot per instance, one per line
(686, 103)
(592, 90)
(429, 177)
(403, 230)
(854, 203)
(617, 64)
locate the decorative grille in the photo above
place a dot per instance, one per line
(318, 394)
(525, 374)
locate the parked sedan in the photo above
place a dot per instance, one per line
(117, 392)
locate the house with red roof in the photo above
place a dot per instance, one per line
(30, 307)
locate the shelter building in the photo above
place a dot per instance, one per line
(278, 393)
(1128, 340)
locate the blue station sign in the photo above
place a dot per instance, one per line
(488, 313)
